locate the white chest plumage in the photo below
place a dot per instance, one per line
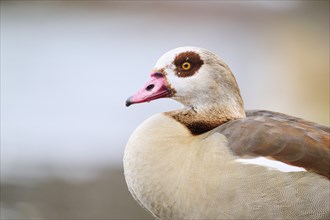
(176, 175)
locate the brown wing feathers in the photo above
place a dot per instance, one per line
(271, 114)
(285, 138)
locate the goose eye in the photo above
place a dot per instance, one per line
(186, 66)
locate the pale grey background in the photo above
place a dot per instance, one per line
(67, 68)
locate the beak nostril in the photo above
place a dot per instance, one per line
(150, 87)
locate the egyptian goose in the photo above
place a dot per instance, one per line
(206, 160)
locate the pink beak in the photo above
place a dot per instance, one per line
(155, 88)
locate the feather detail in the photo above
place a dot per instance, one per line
(285, 138)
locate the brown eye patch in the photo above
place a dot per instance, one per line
(187, 59)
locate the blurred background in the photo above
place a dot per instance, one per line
(67, 68)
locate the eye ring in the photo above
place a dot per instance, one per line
(186, 66)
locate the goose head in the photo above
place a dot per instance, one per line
(195, 77)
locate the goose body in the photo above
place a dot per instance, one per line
(198, 162)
